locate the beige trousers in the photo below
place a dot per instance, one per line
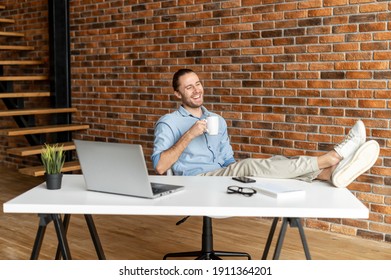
(278, 167)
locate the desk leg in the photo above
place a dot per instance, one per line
(61, 236)
(270, 239)
(67, 218)
(296, 223)
(44, 219)
(95, 237)
(293, 222)
(280, 239)
(61, 228)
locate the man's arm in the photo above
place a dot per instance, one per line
(171, 155)
(225, 146)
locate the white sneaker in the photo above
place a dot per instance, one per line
(355, 165)
(355, 138)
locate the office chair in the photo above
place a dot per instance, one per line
(207, 252)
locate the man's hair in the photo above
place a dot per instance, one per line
(177, 75)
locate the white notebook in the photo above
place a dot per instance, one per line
(279, 191)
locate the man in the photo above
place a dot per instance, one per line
(182, 144)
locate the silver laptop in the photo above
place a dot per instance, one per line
(119, 169)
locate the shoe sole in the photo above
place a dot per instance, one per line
(364, 158)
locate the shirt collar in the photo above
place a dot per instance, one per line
(186, 113)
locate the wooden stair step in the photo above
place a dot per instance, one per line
(23, 94)
(7, 20)
(36, 150)
(21, 62)
(2, 7)
(11, 34)
(38, 111)
(24, 78)
(40, 171)
(42, 129)
(16, 48)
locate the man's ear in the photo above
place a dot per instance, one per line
(177, 94)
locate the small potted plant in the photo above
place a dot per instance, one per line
(53, 158)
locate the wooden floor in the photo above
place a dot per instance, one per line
(151, 237)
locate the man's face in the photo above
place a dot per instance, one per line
(190, 91)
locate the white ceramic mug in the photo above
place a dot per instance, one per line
(212, 125)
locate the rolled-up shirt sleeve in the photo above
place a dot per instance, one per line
(164, 139)
(229, 161)
(225, 146)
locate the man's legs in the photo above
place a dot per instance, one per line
(309, 168)
(279, 167)
(305, 168)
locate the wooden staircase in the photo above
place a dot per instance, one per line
(19, 104)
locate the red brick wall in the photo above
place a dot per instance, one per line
(31, 18)
(290, 78)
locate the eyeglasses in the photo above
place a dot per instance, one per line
(241, 190)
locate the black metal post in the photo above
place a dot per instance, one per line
(60, 70)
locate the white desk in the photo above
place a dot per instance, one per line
(202, 196)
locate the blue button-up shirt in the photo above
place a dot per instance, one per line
(204, 153)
